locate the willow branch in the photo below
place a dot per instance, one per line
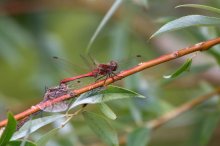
(160, 121)
(154, 124)
(141, 66)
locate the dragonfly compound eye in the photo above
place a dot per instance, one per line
(114, 65)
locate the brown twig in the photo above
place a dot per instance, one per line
(141, 66)
(154, 124)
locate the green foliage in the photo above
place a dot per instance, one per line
(46, 137)
(100, 95)
(33, 125)
(20, 143)
(106, 18)
(135, 112)
(9, 130)
(139, 137)
(101, 128)
(205, 127)
(185, 67)
(209, 33)
(204, 7)
(29, 39)
(107, 111)
(215, 54)
(187, 21)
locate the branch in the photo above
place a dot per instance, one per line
(141, 66)
(154, 124)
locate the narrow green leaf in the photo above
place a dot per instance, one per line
(213, 102)
(46, 137)
(205, 127)
(139, 137)
(101, 128)
(119, 39)
(13, 32)
(33, 125)
(107, 111)
(9, 130)
(204, 7)
(135, 112)
(215, 54)
(19, 143)
(108, 15)
(111, 93)
(185, 67)
(187, 21)
(115, 90)
(209, 33)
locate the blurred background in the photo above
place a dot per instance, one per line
(33, 31)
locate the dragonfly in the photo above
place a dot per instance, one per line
(24, 120)
(102, 70)
(52, 93)
(98, 71)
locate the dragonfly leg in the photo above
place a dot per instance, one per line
(116, 74)
(99, 78)
(69, 105)
(53, 106)
(22, 122)
(41, 113)
(84, 105)
(107, 76)
(46, 88)
(111, 75)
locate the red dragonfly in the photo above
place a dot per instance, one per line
(102, 70)
(52, 93)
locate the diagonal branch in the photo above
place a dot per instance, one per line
(165, 118)
(141, 66)
(156, 123)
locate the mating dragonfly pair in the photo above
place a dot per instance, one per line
(101, 71)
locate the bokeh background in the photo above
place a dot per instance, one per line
(32, 32)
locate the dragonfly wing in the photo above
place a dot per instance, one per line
(58, 107)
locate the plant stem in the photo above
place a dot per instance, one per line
(141, 66)
(154, 124)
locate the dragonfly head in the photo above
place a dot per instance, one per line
(114, 65)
